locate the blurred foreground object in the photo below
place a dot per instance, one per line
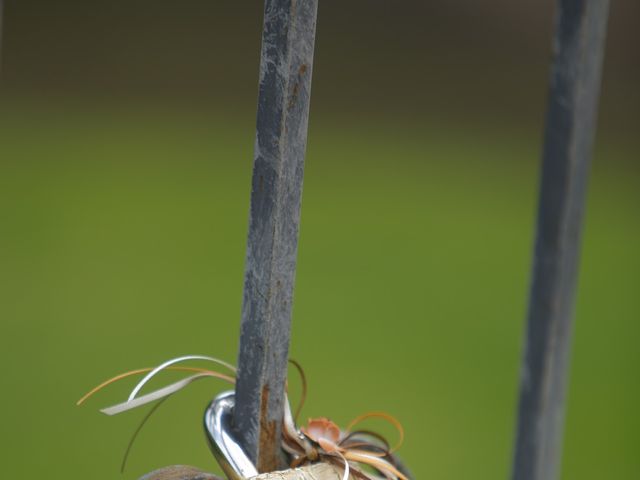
(319, 471)
(179, 472)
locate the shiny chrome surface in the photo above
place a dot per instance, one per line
(227, 450)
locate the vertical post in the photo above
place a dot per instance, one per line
(283, 109)
(1, 32)
(570, 126)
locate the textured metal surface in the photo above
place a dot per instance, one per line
(283, 109)
(570, 126)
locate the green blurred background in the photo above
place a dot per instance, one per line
(126, 135)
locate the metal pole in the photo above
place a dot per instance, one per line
(1, 33)
(570, 126)
(283, 109)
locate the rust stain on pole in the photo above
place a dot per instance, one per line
(281, 134)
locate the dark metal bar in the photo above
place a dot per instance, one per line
(1, 33)
(283, 109)
(570, 126)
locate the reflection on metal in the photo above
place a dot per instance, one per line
(229, 453)
(283, 110)
(570, 126)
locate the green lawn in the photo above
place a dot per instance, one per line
(122, 240)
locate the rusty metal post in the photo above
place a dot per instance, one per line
(283, 108)
(570, 126)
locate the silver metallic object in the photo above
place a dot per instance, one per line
(227, 450)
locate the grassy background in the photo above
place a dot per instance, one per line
(122, 240)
